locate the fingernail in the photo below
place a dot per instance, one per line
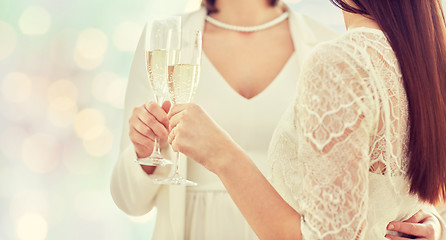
(387, 236)
(390, 227)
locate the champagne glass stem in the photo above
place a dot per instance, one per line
(175, 178)
(177, 164)
(156, 147)
(156, 158)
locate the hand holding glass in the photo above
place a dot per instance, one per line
(183, 81)
(163, 40)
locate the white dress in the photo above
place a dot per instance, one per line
(210, 212)
(339, 153)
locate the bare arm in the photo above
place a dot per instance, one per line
(265, 210)
(333, 149)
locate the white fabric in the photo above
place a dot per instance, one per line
(339, 154)
(442, 211)
(250, 123)
(210, 212)
(213, 215)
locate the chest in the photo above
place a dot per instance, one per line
(248, 62)
(250, 122)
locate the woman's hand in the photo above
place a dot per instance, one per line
(422, 225)
(147, 122)
(195, 134)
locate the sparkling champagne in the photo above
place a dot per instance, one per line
(183, 81)
(157, 68)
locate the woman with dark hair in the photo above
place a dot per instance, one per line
(362, 145)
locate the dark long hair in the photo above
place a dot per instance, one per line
(416, 31)
(210, 4)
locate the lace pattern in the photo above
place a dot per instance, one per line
(349, 119)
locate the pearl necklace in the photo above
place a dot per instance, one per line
(264, 26)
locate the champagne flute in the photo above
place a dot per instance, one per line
(163, 41)
(183, 81)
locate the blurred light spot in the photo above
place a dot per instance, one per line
(16, 87)
(28, 201)
(39, 153)
(8, 40)
(100, 84)
(6, 176)
(62, 111)
(37, 105)
(100, 145)
(109, 87)
(34, 21)
(32, 227)
(116, 93)
(11, 141)
(62, 97)
(10, 112)
(89, 205)
(90, 48)
(58, 202)
(62, 88)
(89, 124)
(126, 36)
(293, 1)
(92, 43)
(150, 216)
(86, 63)
(60, 48)
(41, 84)
(76, 161)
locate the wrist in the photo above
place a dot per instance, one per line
(231, 159)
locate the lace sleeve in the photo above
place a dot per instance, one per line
(334, 115)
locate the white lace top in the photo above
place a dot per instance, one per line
(339, 154)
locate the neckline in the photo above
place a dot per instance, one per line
(281, 72)
(261, 93)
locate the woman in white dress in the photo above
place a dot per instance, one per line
(361, 145)
(246, 96)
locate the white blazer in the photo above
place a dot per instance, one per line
(131, 188)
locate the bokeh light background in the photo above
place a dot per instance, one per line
(63, 72)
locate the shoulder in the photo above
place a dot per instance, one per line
(339, 69)
(338, 63)
(329, 54)
(344, 65)
(354, 47)
(346, 48)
